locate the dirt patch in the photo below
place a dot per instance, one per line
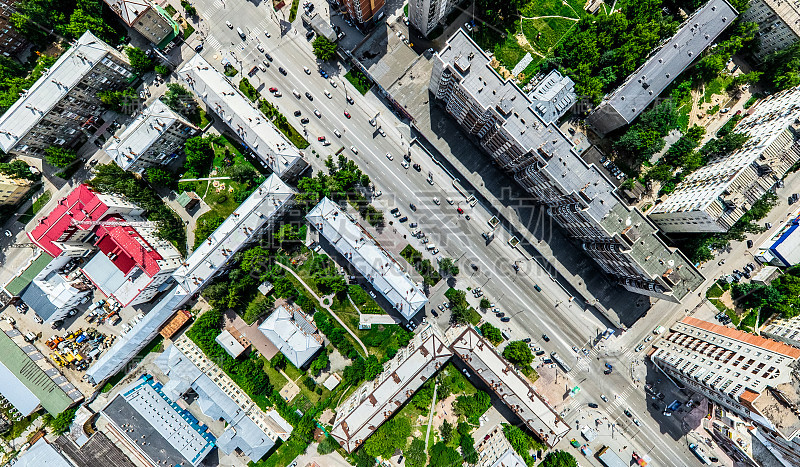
(727, 300)
(444, 411)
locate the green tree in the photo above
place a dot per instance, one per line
(205, 226)
(279, 361)
(257, 308)
(372, 368)
(446, 432)
(559, 459)
(518, 352)
(415, 454)
(485, 303)
(320, 363)
(286, 233)
(60, 424)
(443, 456)
(180, 99)
(199, 155)
(242, 174)
(118, 100)
(388, 438)
(19, 170)
(254, 259)
(139, 60)
(59, 157)
(327, 446)
(473, 406)
(161, 70)
(491, 333)
(160, 177)
(323, 48)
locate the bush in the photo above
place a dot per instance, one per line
(139, 60)
(162, 70)
(59, 157)
(205, 226)
(491, 333)
(60, 424)
(473, 406)
(323, 48)
(248, 89)
(258, 308)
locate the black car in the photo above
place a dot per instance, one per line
(506, 319)
(749, 244)
(297, 113)
(474, 266)
(434, 313)
(394, 210)
(417, 167)
(592, 405)
(526, 340)
(407, 157)
(309, 35)
(546, 337)
(198, 47)
(283, 72)
(412, 206)
(309, 96)
(413, 225)
(628, 413)
(540, 353)
(500, 314)
(269, 57)
(402, 219)
(304, 120)
(350, 100)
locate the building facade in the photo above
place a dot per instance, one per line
(714, 197)
(518, 131)
(62, 105)
(425, 15)
(778, 24)
(13, 189)
(756, 378)
(155, 137)
(783, 247)
(11, 41)
(147, 18)
(364, 13)
(643, 86)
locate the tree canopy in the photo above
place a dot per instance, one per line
(518, 352)
(491, 333)
(559, 459)
(323, 48)
(140, 62)
(59, 157)
(18, 169)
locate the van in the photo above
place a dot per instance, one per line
(658, 330)
(241, 33)
(431, 247)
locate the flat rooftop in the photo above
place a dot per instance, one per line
(50, 88)
(512, 388)
(239, 113)
(367, 256)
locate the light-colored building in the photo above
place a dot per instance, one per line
(778, 24)
(754, 377)
(12, 41)
(293, 333)
(518, 131)
(248, 429)
(42, 453)
(714, 197)
(766, 275)
(643, 86)
(229, 343)
(375, 401)
(155, 137)
(364, 13)
(256, 215)
(374, 263)
(783, 247)
(142, 419)
(426, 15)
(13, 189)
(52, 294)
(481, 359)
(783, 330)
(257, 132)
(63, 103)
(492, 447)
(147, 18)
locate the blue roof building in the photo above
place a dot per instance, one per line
(782, 248)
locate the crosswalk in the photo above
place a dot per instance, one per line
(620, 399)
(212, 43)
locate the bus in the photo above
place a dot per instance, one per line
(560, 362)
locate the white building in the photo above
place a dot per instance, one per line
(375, 401)
(365, 254)
(783, 247)
(257, 214)
(149, 19)
(154, 137)
(51, 295)
(784, 330)
(238, 112)
(754, 377)
(778, 24)
(63, 102)
(229, 343)
(425, 15)
(293, 333)
(714, 197)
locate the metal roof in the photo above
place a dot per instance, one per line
(16, 285)
(289, 337)
(368, 257)
(128, 10)
(26, 374)
(51, 87)
(148, 126)
(229, 343)
(42, 454)
(239, 113)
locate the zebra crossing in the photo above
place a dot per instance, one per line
(619, 399)
(213, 43)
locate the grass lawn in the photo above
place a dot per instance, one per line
(187, 31)
(275, 377)
(357, 79)
(293, 11)
(548, 30)
(230, 71)
(37, 204)
(474, 316)
(572, 8)
(170, 9)
(284, 455)
(200, 118)
(716, 86)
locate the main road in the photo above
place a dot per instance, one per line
(532, 312)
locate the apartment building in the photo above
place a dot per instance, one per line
(364, 13)
(519, 133)
(756, 378)
(155, 137)
(13, 189)
(714, 197)
(11, 41)
(778, 24)
(425, 15)
(147, 18)
(784, 330)
(643, 86)
(63, 104)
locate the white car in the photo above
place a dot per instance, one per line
(449, 200)
(333, 83)
(328, 94)
(305, 68)
(262, 67)
(336, 132)
(404, 164)
(316, 112)
(8, 233)
(381, 132)
(436, 201)
(266, 33)
(353, 148)
(260, 48)
(389, 156)
(228, 23)
(377, 194)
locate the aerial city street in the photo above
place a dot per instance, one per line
(317, 233)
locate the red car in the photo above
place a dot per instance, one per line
(460, 211)
(321, 138)
(347, 114)
(273, 89)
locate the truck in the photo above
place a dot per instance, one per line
(610, 459)
(698, 453)
(658, 330)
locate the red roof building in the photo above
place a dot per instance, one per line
(134, 263)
